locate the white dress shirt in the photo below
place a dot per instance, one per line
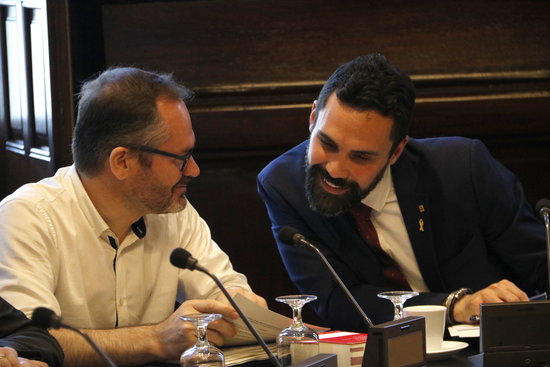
(56, 253)
(388, 221)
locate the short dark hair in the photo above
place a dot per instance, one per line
(370, 82)
(118, 108)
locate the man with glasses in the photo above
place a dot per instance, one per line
(93, 242)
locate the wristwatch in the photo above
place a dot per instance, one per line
(451, 300)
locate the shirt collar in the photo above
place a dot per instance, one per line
(86, 205)
(378, 197)
(96, 221)
(139, 228)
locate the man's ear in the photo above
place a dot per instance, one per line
(312, 115)
(398, 150)
(119, 162)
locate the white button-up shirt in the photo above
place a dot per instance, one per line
(389, 224)
(55, 252)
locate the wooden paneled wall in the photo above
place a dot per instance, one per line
(35, 91)
(481, 68)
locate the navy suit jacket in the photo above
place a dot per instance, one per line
(477, 229)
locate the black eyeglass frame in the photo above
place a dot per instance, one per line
(184, 158)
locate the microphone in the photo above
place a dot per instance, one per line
(543, 210)
(378, 350)
(45, 318)
(292, 237)
(182, 259)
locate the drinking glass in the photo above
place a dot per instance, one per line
(398, 298)
(202, 353)
(297, 342)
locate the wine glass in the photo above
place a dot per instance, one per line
(297, 342)
(202, 353)
(398, 298)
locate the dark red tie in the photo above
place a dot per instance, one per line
(391, 270)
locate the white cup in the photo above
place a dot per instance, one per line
(435, 323)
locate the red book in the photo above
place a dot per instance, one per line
(349, 347)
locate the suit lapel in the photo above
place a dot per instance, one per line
(414, 202)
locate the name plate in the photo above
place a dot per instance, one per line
(515, 334)
(398, 343)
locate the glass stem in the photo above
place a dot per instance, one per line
(297, 316)
(202, 341)
(398, 310)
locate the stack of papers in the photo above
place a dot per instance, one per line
(464, 331)
(243, 347)
(243, 354)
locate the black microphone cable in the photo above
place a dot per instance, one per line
(292, 237)
(181, 258)
(45, 318)
(543, 210)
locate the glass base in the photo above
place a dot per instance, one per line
(203, 359)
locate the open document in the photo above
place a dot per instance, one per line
(243, 347)
(268, 323)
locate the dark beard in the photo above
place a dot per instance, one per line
(331, 205)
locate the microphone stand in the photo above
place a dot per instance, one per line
(264, 346)
(546, 219)
(45, 318)
(337, 279)
(90, 341)
(543, 210)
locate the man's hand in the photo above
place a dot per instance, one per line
(175, 335)
(502, 291)
(250, 295)
(8, 358)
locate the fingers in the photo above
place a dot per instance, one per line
(502, 291)
(508, 291)
(223, 327)
(216, 332)
(31, 363)
(8, 357)
(173, 335)
(219, 328)
(208, 306)
(215, 338)
(467, 308)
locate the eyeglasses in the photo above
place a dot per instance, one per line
(183, 158)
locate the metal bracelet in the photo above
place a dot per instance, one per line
(451, 300)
